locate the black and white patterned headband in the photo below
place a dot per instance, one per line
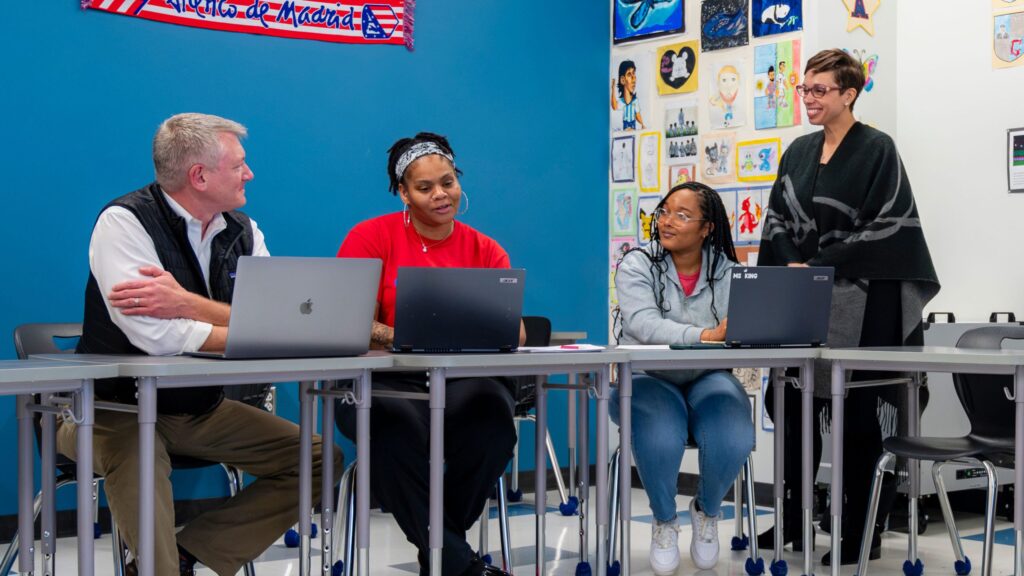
(417, 151)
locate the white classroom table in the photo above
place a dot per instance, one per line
(153, 372)
(444, 366)
(24, 378)
(923, 359)
(662, 358)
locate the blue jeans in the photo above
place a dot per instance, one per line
(714, 410)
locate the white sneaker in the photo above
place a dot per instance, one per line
(704, 545)
(665, 547)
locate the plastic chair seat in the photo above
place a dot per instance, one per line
(936, 448)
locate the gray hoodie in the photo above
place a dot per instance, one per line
(687, 316)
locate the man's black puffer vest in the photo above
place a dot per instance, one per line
(169, 233)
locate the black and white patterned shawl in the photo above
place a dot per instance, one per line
(857, 214)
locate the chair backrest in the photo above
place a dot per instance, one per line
(983, 396)
(538, 330)
(41, 337)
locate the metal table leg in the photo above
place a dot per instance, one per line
(147, 460)
(584, 474)
(437, 405)
(86, 421)
(573, 464)
(603, 382)
(914, 466)
(1018, 490)
(625, 460)
(48, 486)
(327, 481)
(363, 402)
(306, 423)
(26, 469)
(541, 476)
(807, 461)
(779, 417)
(838, 401)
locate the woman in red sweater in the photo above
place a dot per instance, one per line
(479, 430)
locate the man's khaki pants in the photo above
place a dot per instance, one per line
(240, 529)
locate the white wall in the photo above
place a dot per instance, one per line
(952, 113)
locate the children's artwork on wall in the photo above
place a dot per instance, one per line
(718, 157)
(681, 132)
(861, 14)
(749, 215)
(618, 248)
(728, 196)
(650, 161)
(1007, 3)
(677, 68)
(746, 208)
(1008, 40)
(776, 74)
(776, 16)
(638, 19)
(645, 215)
(725, 94)
(723, 24)
(758, 160)
(681, 174)
(623, 163)
(624, 212)
(869, 62)
(630, 76)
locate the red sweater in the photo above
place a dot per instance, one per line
(397, 245)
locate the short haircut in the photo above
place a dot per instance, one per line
(847, 70)
(187, 139)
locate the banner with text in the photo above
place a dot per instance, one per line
(382, 22)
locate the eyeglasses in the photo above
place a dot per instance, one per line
(675, 217)
(818, 90)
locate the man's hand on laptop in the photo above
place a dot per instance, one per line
(382, 336)
(716, 334)
(797, 265)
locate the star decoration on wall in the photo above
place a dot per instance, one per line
(860, 14)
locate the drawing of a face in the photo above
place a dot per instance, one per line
(771, 75)
(628, 81)
(728, 83)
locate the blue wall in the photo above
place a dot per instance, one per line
(520, 89)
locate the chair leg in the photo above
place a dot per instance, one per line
(962, 565)
(869, 522)
(559, 481)
(485, 520)
(118, 549)
(514, 484)
(990, 518)
(748, 470)
(347, 511)
(506, 537)
(613, 503)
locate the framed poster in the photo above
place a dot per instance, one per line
(1015, 159)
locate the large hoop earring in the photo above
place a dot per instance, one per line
(406, 219)
(464, 205)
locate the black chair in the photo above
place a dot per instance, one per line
(986, 401)
(42, 338)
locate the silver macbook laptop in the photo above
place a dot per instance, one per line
(285, 307)
(777, 307)
(443, 310)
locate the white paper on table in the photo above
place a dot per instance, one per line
(562, 348)
(642, 347)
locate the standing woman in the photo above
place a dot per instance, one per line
(842, 199)
(676, 291)
(479, 431)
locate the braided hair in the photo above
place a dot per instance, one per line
(403, 144)
(717, 245)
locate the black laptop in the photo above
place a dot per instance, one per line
(777, 307)
(445, 310)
